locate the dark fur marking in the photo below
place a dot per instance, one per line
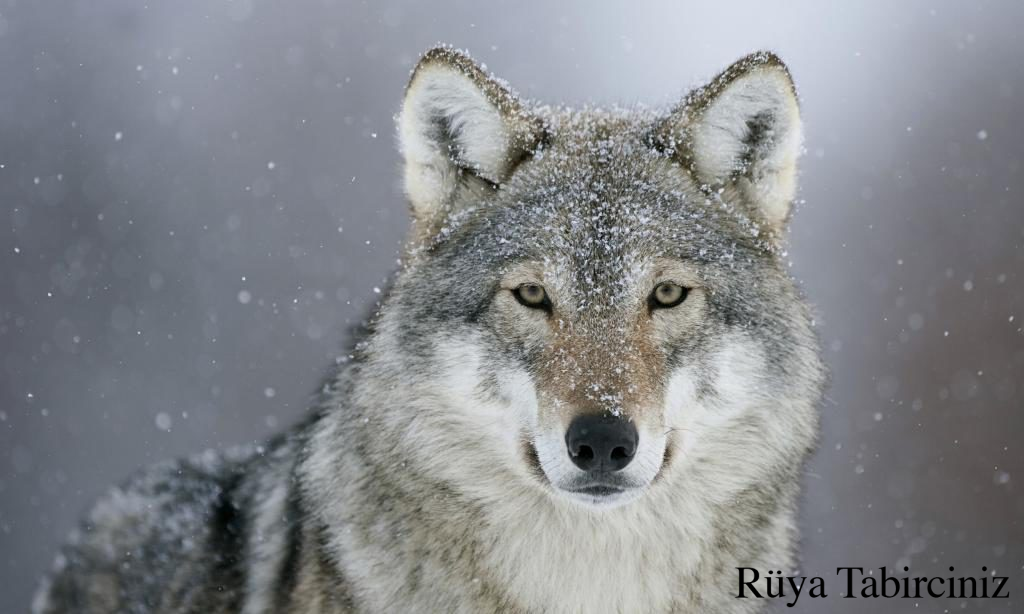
(227, 542)
(757, 140)
(294, 519)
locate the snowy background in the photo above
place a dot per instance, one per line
(198, 198)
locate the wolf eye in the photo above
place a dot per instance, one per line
(667, 294)
(533, 296)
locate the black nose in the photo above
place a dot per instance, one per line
(601, 443)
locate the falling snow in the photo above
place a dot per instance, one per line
(183, 227)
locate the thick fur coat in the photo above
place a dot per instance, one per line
(625, 265)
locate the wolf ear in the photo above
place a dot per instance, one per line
(742, 131)
(460, 131)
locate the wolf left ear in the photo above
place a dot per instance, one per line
(742, 132)
(461, 132)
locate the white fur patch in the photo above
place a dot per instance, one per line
(727, 440)
(471, 434)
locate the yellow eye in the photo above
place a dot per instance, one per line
(667, 294)
(533, 296)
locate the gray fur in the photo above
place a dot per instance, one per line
(419, 483)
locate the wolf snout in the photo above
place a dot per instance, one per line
(601, 443)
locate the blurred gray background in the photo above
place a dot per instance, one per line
(198, 199)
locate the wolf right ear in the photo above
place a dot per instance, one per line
(461, 132)
(742, 132)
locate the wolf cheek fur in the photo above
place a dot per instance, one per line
(592, 386)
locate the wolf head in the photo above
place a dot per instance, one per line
(593, 304)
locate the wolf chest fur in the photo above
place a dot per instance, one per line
(591, 388)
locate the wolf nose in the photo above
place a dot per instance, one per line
(601, 443)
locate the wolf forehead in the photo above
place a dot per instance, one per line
(596, 203)
(598, 207)
(597, 192)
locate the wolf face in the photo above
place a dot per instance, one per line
(593, 302)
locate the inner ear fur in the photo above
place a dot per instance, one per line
(742, 133)
(461, 132)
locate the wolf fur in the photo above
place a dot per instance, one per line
(432, 474)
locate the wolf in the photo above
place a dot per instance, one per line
(591, 387)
